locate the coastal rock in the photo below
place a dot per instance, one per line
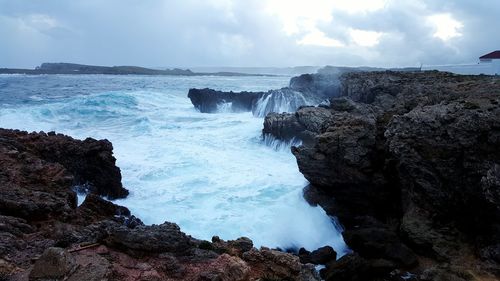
(278, 265)
(303, 90)
(54, 264)
(322, 84)
(408, 162)
(99, 240)
(89, 162)
(381, 243)
(259, 103)
(166, 237)
(94, 209)
(349, 267)
(208, 100)
(321, 255)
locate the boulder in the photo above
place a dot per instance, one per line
(54, 264)
(321, 255)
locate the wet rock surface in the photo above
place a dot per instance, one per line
(208, 100)
(321, 255)
(44, 235)
(409, 164)
(303, 90)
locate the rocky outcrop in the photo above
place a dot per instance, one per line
(306, 89)
(44, 235)
(89, 162)
(209, 101)
(259, 103)
(409, 164)
(322, 255)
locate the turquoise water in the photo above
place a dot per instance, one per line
(210, 173)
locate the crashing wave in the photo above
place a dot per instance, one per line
(280, 145)
(225, 107)
(284, 100)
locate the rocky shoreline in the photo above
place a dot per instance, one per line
(409, 162)
(44, 235)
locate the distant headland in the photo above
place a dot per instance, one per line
(73, 68)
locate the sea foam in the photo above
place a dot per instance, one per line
(210, 173)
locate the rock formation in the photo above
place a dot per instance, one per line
(44, 235)
(306, 89)
(409, 162)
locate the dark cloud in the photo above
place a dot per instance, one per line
(235, 33)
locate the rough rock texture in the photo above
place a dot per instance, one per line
(409, 162)
(44, 235)
(89, 162)
(55, 263)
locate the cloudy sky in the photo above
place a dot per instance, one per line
(187, 33)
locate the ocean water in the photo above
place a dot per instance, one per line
(212, 174)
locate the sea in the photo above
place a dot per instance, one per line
(212, 174)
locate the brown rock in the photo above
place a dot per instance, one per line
(55, 263)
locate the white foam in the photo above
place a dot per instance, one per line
(279, 101)
(209, 173)
(280, 145)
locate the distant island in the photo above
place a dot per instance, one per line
(73, 68)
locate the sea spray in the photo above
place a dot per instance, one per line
(225, 107)
(209, 173)
(283, 100)
(280, 145)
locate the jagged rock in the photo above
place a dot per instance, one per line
(416, 152)
(278, 265)
(15, 226)
(54, 264)
(166, 237)
(321, 255)
(283, 126)
(207, 100)
(94, 209)
(92, 267)
(259, 103)
(303, 90)
(243, 244)
(32, 188)
(89, 162)
(38, 211)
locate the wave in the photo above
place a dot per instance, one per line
(283, 100)
(225, 107)
(201, 171)
(280, 145)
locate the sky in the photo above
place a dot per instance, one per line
(256, 33)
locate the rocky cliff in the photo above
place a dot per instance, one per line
(44, 235)
(409, 162)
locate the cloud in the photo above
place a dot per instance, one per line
(365, 38)
(446, 26)
(316, 37)
(247, 33)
